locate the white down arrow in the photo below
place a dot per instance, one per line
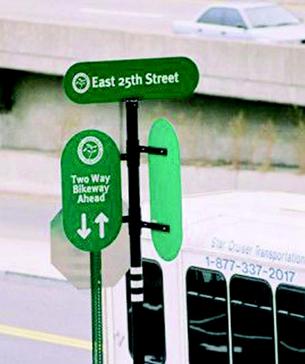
(83, 232)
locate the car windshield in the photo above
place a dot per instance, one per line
(270, 16)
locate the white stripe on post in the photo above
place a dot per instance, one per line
(137, 297)
(136, 284)
(136, 270)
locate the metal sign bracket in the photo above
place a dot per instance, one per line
(150, 225)
(153, 150)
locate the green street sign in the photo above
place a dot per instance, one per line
(91, 190)
(165, 189)
(113, 81)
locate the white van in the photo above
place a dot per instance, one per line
(235, 294)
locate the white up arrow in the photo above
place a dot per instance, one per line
(83, 231)
(101, 219)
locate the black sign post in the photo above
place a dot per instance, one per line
(134, 225)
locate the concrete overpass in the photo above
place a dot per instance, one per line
(233, 69)
(42, 119)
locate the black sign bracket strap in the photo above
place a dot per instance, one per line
(153, 150)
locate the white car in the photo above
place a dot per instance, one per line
(259, 21)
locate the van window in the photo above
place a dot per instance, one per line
(252, 321)
(290, 313)
(153, 314)
(207, 317)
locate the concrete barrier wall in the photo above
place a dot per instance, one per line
(43, 119)
(211, 130)
(234, 69)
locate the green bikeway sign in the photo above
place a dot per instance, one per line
(113, 81)
(91, 190)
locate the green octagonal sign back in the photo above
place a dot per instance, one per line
(113, 81)
(165, 189)
(91, 190)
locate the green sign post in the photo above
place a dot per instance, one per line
(129, 81)
(92, 208)
(165, 189)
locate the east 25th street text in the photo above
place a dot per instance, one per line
(135, 80)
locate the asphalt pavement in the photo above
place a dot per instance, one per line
(129, 15)
(43, 321)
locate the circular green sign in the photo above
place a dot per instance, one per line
(91, 190)
(113, 81)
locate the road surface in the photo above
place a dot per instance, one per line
(151, 16)
(43, 321)
(128, 15)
